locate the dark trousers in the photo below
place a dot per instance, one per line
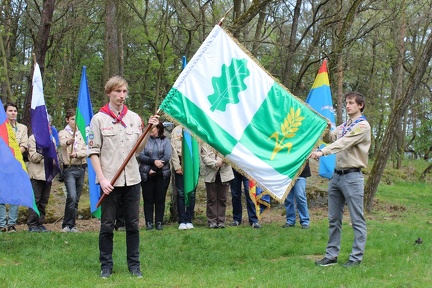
(73, 178)
(42, 190)
(129, 197)
(217, 194)
(185, 213)
(154, 194)
(236, 193)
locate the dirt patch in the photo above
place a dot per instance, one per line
(316, 191)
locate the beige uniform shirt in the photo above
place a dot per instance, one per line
(35, 167)
(176, 144)
(112, 143)
(79, 147)
(352, 149)
(21, 135)
(210, 158)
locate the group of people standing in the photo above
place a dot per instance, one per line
(73, 154)
(114, 133)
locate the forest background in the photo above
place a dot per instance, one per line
(381, 48)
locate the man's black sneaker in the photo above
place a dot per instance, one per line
(42, 228)
(136, 273)
(256, 225)
(235, 223)
(326, 262)
(34, 229)
(11, 229)
(149, 226)
(351, 263)
(105, 273)
(287, 225)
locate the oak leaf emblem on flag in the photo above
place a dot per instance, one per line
(289, 127)
(229, 84)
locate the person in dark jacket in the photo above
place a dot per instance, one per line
(155, 175)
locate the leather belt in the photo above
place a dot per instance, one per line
(71, 166)
(346, 171)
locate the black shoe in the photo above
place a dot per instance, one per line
(351, 263)
(326, 262)
(34, 229)
(221, 225)
(42, 228)
(136, 272)
(256, 225)
(105, 273)
(286, 225)
(235, 223)
(305, 227)
(11, 229)
(149, 226)
(159, 226)
(213, 226)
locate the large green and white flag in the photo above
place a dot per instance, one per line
(225, 98)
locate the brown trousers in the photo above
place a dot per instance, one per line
(217, 194)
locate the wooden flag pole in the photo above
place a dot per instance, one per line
(73, 137)
(223, 18)
(126, 161)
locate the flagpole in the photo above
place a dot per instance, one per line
(72, 146)
(223, 18)
(126, 161)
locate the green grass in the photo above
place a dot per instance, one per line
(240, 256)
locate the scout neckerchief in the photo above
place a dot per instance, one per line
(75, 144)
(118, 118)
(346, 129)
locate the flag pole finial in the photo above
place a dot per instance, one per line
(223, 18)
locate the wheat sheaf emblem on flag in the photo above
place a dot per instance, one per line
(289, 128)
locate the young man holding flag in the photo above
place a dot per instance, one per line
(350, 143)
(21, 136)
(74, 154)
(114, 131)
(185, 210)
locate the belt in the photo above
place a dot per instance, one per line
(71, 166)
(346, 171)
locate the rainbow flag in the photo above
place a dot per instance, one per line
(260, 199)
(84, 114)
(320, 99)
(40, 128)
(17, 189)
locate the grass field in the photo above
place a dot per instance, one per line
(239, 256)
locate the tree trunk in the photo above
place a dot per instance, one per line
(419, 68)
(398, 91)
(41, 47)
(113, 51)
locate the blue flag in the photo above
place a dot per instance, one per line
(41, 128)
(320, 99)
(83, 117)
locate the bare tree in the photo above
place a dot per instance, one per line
(419, 67)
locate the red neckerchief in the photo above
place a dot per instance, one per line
(118, 118)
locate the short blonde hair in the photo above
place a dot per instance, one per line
(114, 82)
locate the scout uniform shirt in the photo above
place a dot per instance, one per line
(351, 148)
(112, 142)
(176, 144)
(79, 147)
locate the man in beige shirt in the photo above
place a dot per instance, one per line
(20, 131)
(73, 154)
(114, 131)
(350, 143)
